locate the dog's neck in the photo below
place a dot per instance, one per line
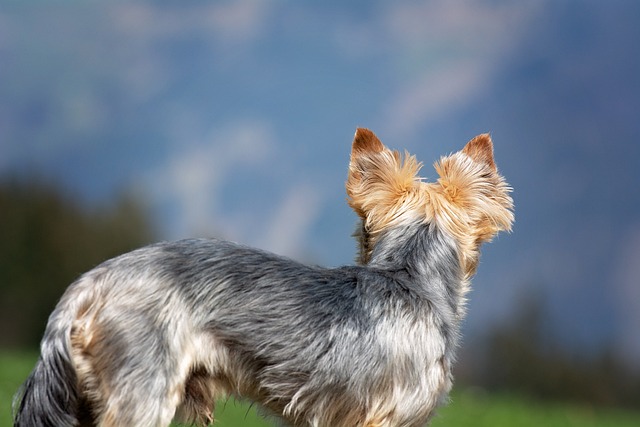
(426, 257)
(416, 247)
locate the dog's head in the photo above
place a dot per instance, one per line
(470, 201)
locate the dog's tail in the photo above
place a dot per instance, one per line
(50, 396)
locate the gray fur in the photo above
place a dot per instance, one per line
(310, 344)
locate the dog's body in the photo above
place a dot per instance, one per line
(165, 330)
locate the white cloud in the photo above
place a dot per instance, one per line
(194, 181)
(140, 33)
(435, 93)
(287, 229)
(236, 21)
(445, 52)
(195, 176)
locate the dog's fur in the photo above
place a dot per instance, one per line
(166, 330)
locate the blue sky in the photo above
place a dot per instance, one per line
(235, 118)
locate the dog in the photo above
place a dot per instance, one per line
(164, 331)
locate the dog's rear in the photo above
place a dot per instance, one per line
(49, 397)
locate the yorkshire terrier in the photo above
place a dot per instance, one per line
(164, 331)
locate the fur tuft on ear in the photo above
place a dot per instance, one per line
(471, 199)
(379, 179)
(480, 149)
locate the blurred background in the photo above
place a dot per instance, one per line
(123, 123)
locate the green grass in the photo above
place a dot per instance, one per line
(472, 409)
(14, 367)
(478, 409)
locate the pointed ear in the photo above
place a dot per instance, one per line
(379, 181)
(365, 141)
(365, 146)
(480, 149)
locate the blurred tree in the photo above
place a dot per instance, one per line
(525, 355)
(47, 239)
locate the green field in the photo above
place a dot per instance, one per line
(468, 408)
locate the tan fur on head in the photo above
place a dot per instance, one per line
(378, 179)
(470, 201)
(383, 188)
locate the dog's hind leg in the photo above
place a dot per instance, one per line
(132, 373)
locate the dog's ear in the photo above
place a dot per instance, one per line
(480, 149)
(378, 177)
(365, 141)
(365, 147)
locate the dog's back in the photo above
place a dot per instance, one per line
(181, 324)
